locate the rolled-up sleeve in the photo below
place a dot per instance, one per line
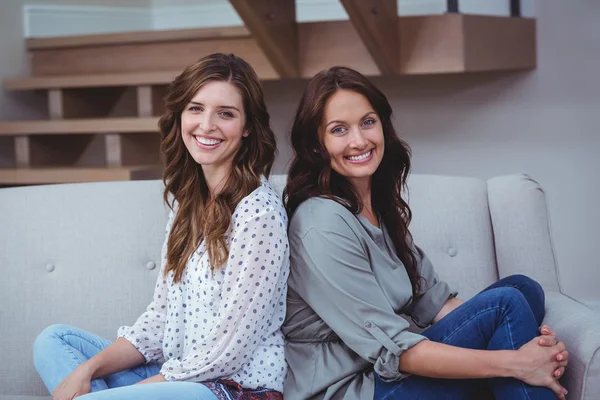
(332, 273)
(433, 294)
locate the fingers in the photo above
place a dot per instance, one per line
(547, 340)
(563, 356)
(545, 330)
(559, 372)
(558, 390)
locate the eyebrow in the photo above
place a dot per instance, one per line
(343, 122)
(228, 107)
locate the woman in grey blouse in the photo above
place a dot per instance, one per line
(355, 271)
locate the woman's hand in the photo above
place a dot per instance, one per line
(537, 364)
(549, 339)
(76, 384)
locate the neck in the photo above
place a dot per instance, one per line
(215, 178)
(363, 187)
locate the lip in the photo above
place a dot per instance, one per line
(206, 146)
(363, 161)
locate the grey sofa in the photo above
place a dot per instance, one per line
(87, 255)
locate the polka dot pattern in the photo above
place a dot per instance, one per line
(226, 324)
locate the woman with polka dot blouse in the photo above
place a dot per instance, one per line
(213, 327)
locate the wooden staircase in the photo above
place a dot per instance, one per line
(104, 92)
(101, 127)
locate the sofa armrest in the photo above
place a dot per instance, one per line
(579, 327)
(522, 234)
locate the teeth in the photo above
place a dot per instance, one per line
(361, 157)
(207, 142)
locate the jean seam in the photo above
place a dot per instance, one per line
(89, 342)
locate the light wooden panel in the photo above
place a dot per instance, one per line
(272, 24)
(458, 43)
(226, 32)
(325, 44)
(499, 43)
(36, 176)
(91, 81)
(145, 57)
(431, 44)
(376, 23)
(434, 44)
(79, 126)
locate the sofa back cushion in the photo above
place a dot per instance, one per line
(88, 255)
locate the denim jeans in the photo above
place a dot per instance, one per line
(505, 316)
(59, 349)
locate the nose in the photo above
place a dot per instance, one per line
(207, 123)
(357, 139)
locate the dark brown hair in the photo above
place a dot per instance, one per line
(200, 217)
(311, 175)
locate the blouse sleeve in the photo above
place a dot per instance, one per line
(256, 274)
(147, 332)
(331, 271)
(433, 294)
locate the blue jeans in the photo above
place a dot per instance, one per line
(505, 316)
(59, 349)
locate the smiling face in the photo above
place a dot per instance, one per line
(352, 134)
(212, 126)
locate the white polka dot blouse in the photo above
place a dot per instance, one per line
(225, 325)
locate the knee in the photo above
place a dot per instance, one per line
(530, 287)
(46, 337)
(523, 280)
(509, 296)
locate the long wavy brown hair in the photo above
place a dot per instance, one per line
(311, 174)
(200, 216)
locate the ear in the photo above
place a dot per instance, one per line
(245, 134)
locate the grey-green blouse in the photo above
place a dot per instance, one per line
(347, 290)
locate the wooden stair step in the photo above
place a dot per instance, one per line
(90, 80)
(79, 126)
(37, 176)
